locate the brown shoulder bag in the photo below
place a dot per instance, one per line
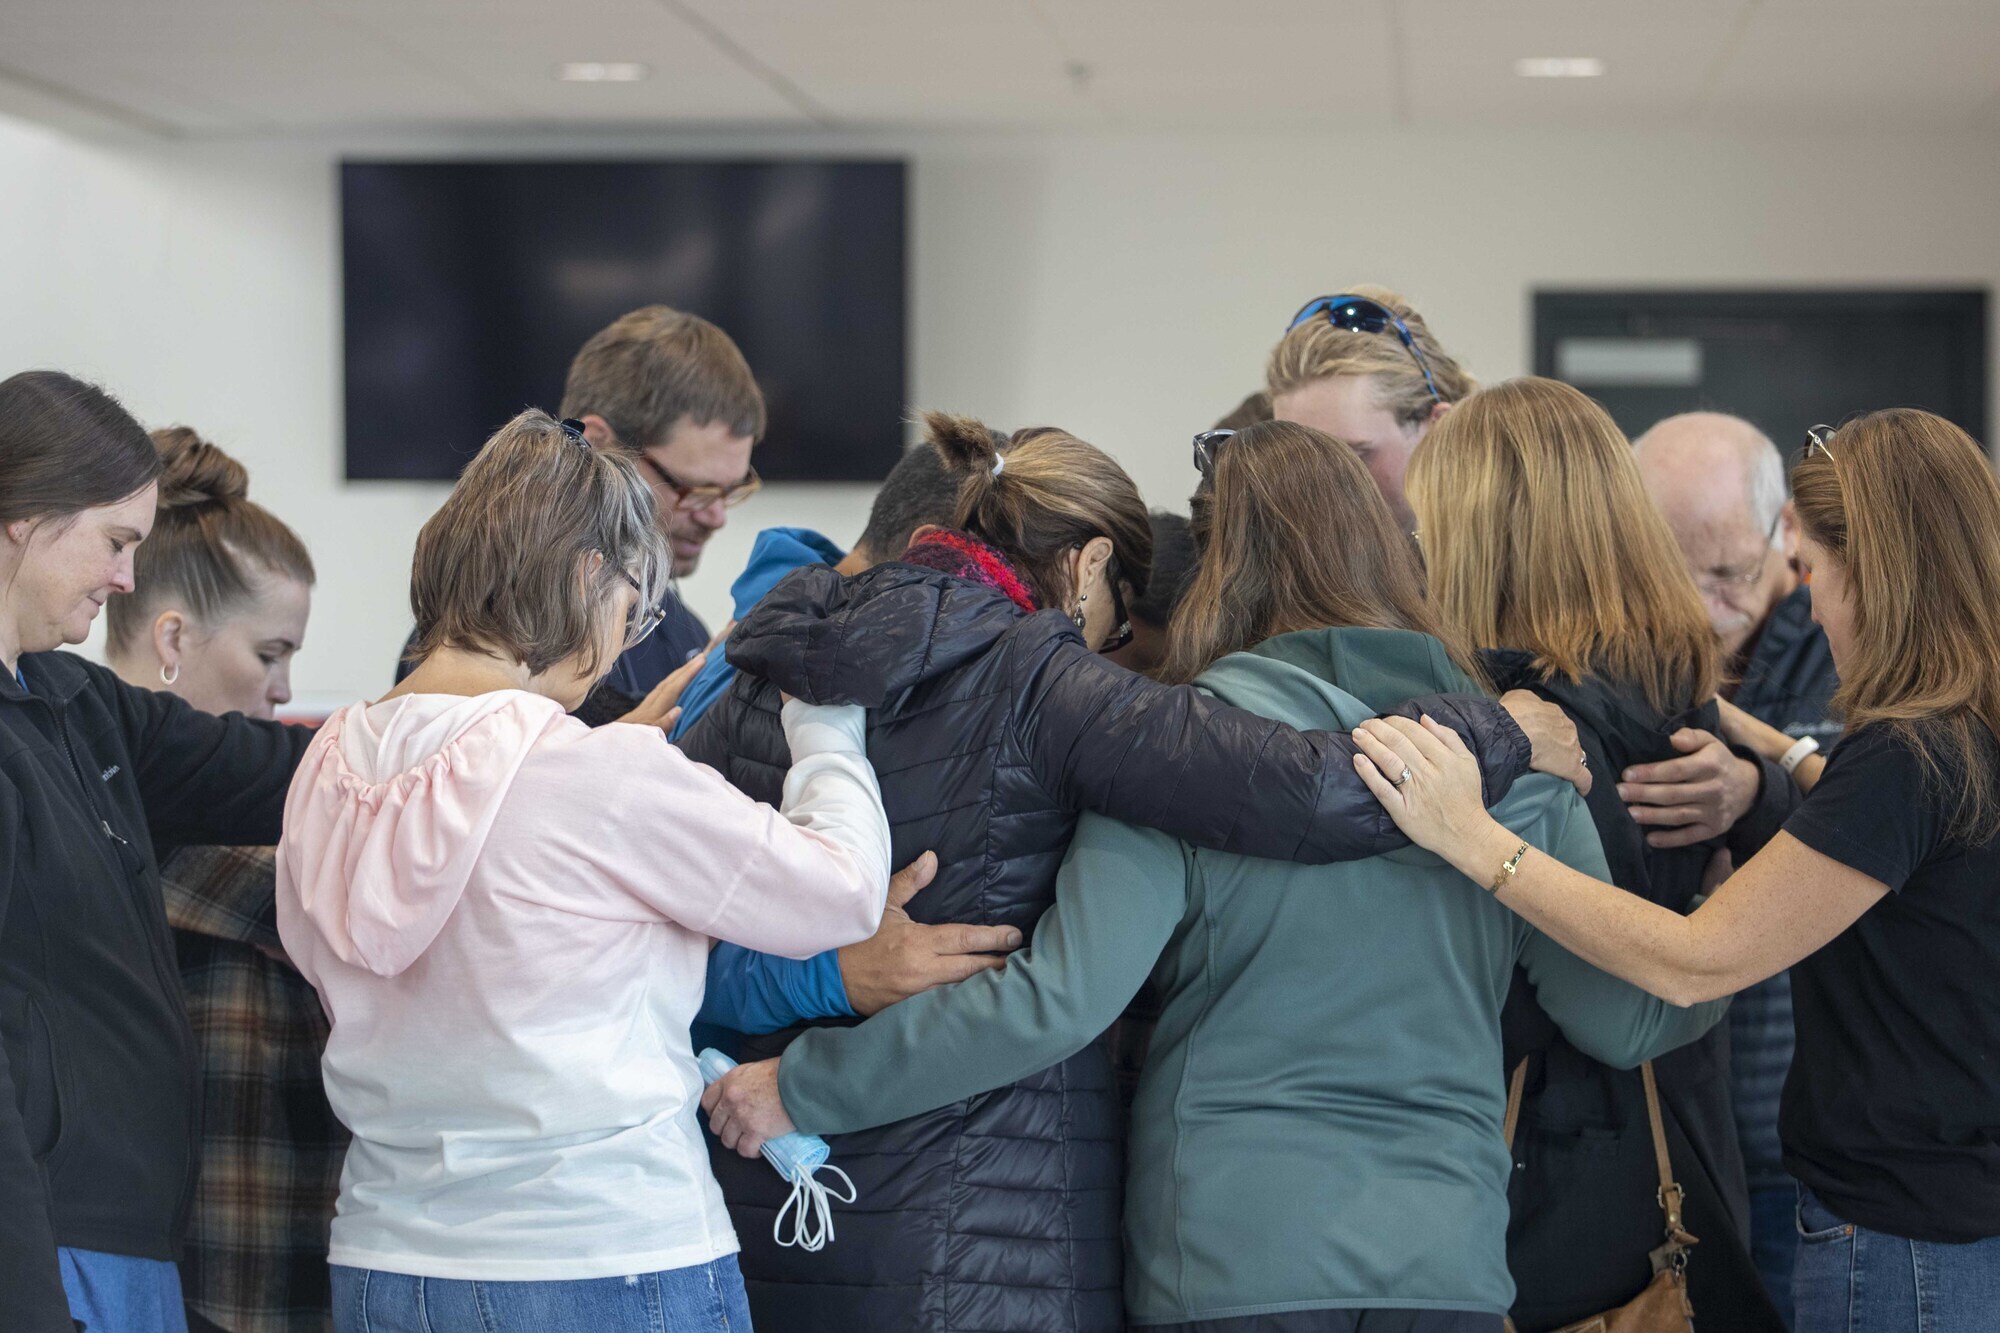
(1663, 1307)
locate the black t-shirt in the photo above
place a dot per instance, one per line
(1891, 1113)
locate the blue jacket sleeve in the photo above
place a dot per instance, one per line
(759, 992)
(706, 687)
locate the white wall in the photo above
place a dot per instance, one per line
(1124, 286)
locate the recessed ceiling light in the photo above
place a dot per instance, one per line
(602, 71)
(1559, 67)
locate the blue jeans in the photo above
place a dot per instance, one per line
(116, 1293)
(707, 1298)
(1774, 1242)
(1853, 1280)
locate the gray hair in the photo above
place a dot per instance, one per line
(497, 566)
(1768, 489)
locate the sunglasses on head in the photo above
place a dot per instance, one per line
(1816, 438)
(1205, 445)
(1358, 314)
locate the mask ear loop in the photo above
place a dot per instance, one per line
(812, 1213)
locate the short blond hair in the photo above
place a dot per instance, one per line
(499, 567)
(1317, 350)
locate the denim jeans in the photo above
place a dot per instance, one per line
(708, 1298)
(1774, 1242)
(1853, 1280)
(116, 1293)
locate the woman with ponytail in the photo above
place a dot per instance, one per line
(224, 589)
(994, 722)
(99, 1145)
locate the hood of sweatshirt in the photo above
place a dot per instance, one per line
(390, 810)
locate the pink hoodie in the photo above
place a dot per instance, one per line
(507, 916)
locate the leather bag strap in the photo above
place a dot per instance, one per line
(1515, 1086)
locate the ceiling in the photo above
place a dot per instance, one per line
(191, 68)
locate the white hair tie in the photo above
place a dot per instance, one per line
(999, 464)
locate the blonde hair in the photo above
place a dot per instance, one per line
(498, 568)
(1908, 504)
(1293, 534)
(1053, 494)
(208, 541)
(1317, 350)
(1539, 535)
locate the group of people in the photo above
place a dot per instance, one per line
(1470, 868)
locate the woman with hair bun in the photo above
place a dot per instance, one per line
(224, 589)
(995, 722)
(98, 1137)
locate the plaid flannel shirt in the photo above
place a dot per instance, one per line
(255, 1256)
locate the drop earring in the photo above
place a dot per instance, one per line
(1076, 616)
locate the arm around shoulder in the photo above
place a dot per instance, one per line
(1175, 759)
(1119, 895)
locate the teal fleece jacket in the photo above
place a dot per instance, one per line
(1318, 1125)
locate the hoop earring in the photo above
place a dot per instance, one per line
(168, 680)
(1076, 616)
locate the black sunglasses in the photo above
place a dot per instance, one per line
(1358, 314)
(1205, 445)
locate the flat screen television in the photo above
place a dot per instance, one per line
(468, 286)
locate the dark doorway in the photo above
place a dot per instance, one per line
(1785, 360)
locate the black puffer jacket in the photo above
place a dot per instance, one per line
(990, 729)
(1789, 682)
(1584, 1212)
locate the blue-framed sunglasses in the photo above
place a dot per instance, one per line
(1358, 314)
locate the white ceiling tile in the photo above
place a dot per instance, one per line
(1847, 65)
(220, 66)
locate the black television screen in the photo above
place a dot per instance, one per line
(468, 286)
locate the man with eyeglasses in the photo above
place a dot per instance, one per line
(671, 391)
(1721, 484)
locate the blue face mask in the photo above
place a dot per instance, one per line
(797, 1157)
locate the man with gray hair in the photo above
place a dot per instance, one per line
(1721, 484)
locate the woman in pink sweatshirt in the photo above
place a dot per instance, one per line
(507, 916)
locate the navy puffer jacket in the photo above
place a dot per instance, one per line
(990, 729)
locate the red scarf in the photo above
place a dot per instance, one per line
(964, 556)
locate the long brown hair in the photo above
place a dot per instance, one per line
(67, 446)
(1908, 504)
(1293, 535)
(1539, 535)
(1053, 494)
(208, 541)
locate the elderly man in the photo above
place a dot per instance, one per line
(1721, 484)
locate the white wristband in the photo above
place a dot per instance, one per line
(1797, 754)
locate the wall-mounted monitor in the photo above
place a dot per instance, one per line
(468, 286)
(1785, 359)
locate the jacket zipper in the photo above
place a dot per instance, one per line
(188, 1060)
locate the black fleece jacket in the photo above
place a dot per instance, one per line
(98, 1084)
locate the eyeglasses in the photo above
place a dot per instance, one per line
(1816, 438)
(1204, 449)
(1119, 615)
(643, 619)
(687, 499)
(1358, 314)
(1722, 583)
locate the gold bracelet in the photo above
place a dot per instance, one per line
(1505, 874)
